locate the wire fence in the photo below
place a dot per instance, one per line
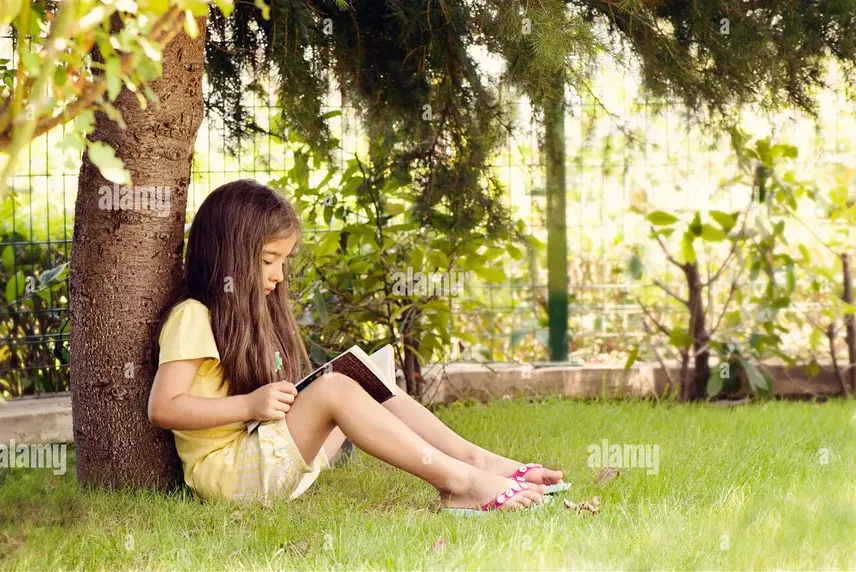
(623, 150)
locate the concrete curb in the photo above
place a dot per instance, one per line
(37, 420)
(48, 419)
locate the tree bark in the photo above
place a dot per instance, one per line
(695, 385)
(849, 322)
(412, 371)
(125, 265)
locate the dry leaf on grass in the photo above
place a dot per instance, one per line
(606, 474)
(237, 516)
(588, 507)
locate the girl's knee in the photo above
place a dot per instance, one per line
(336, 383)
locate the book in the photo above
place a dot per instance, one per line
(375, 373)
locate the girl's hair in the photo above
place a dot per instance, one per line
(223, 270)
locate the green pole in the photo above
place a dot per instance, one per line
(557, 225)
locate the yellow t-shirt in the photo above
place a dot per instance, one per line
(208, 456)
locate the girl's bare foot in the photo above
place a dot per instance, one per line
(493, 463)
(484, 487)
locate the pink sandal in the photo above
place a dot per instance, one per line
(499, 500)
(551, 489)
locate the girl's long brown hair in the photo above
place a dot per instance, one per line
(223, 270)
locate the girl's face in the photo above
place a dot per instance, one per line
(274, 254)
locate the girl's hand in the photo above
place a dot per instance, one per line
(272, 401)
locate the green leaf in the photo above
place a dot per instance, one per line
(192, 28)
(437, 259)
(631, 359)
(113, 71)
(812, 368)
(8, 258)
(111, 167)
(15, 287)
(85, 121)
(815, 339)
(636, 268)
(783, 150)
(687, 250)
(320, 306)
(680, 338)
(55, 273)
(491, 274)
(331, 114)
(712, 234)
(838, 195)
(757, 381)
(514, 252)
(225, 6)
(714, 383)
(695, 226)
(393, 208)
(661, 218)
(724, 220)
(417, 258)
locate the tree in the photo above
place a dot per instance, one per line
(127, 261)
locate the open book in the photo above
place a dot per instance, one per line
(375, 373)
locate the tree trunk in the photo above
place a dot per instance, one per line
(412, 371)
(849, 322)
(695, 385)
(125, 265)
(557, 224)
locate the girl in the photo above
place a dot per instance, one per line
(216, 373)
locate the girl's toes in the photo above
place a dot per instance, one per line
(540, 489)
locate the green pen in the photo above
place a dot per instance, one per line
(277, 361)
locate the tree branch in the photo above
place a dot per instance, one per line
(662, 244)
(647, 329)
(669, 291)
(731, 293)
(660, 326)
(162, 33)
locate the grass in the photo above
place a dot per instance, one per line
(737, 488)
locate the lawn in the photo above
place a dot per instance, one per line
(770, 485)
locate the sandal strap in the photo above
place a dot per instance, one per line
(503, 497)
(518, 474)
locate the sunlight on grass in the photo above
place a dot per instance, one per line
(747, 487)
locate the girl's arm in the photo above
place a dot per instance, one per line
(172, 407)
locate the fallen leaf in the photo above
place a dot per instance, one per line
(439, 545)
(237, 516)
(589, 507)
(606, 474)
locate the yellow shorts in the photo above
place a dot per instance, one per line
(270, 467)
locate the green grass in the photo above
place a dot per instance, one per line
(736, 488)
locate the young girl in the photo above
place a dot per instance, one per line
(216, 373)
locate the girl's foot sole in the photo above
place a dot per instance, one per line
(475, 512)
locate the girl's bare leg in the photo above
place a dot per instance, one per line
(334, 442)
(337, 400)
(426, 425)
